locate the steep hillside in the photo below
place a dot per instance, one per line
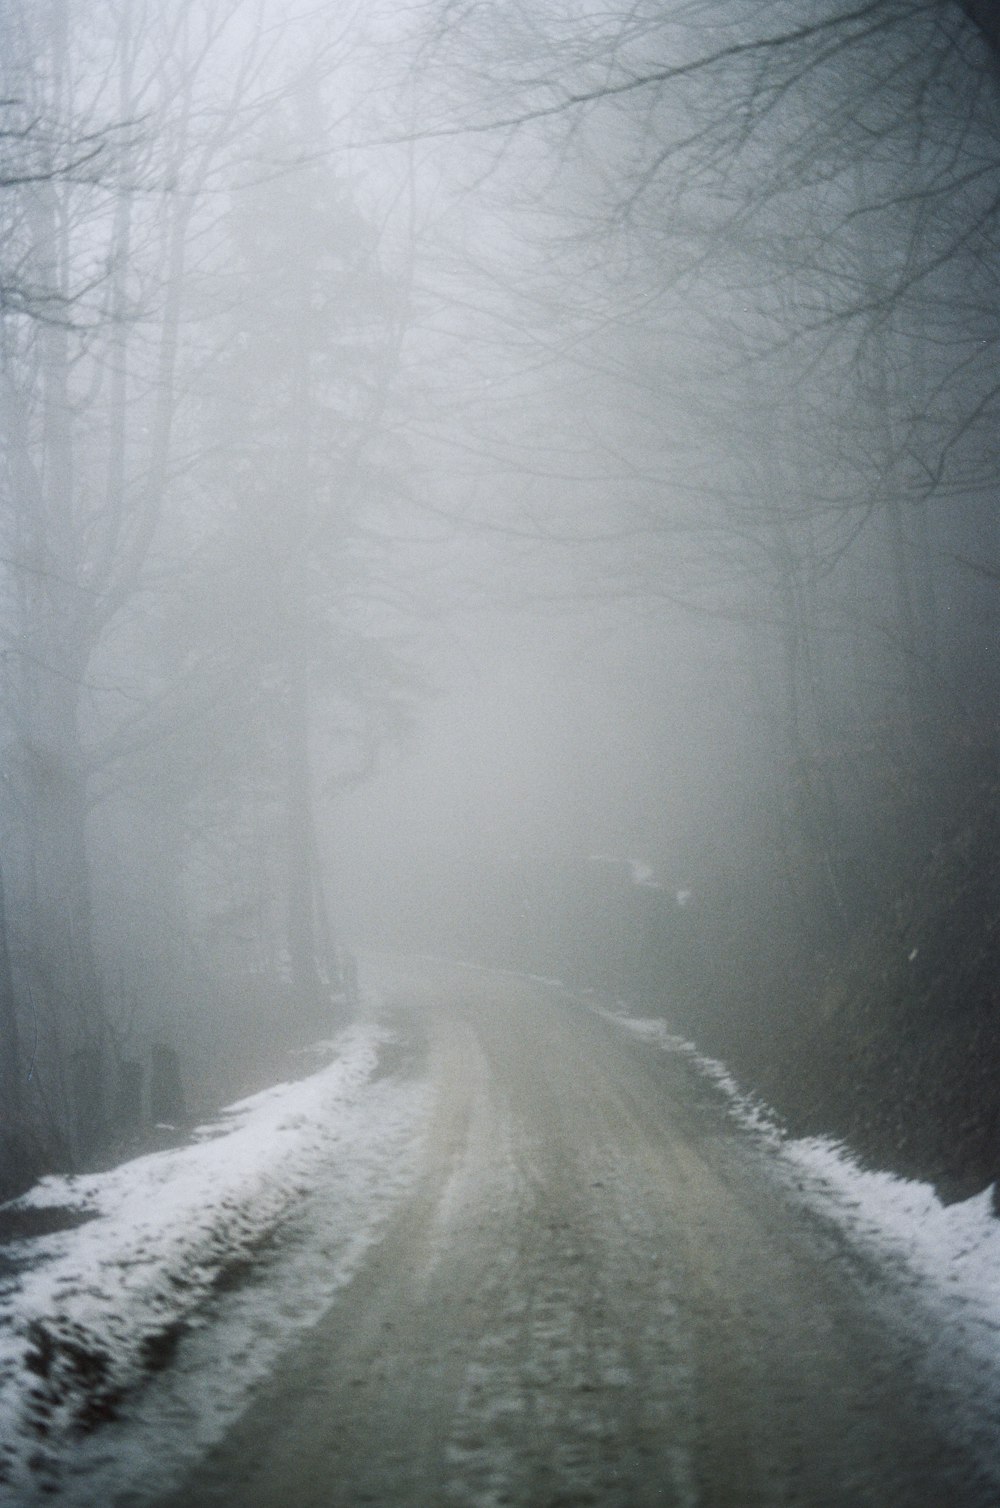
(889, 1038)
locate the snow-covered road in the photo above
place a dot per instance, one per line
(545, 1256)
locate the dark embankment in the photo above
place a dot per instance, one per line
(876, 1020)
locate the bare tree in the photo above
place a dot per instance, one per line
(124, 126)
(766, 240)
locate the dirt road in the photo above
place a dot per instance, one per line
(596, 1295)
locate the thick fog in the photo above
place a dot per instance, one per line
(553, 741)
(466, 473)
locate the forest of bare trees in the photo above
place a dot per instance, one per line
(199, 345)
(316, 330)
(772, 237)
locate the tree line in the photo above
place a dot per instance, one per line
(199, 338)
(774, 235)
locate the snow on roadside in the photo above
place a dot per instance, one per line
(99, 1305)
(746, 1108)
(951, 1251)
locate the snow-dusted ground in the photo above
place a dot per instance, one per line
(954, 1248)
(90, 1310)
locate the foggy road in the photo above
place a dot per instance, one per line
(595, 1294)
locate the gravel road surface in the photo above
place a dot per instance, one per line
(597, 1293)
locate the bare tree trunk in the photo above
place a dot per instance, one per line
(300, 897)
(13, 1128)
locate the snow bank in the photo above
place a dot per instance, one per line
(100, 1305)
(750, 1111)
(952, 1251)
